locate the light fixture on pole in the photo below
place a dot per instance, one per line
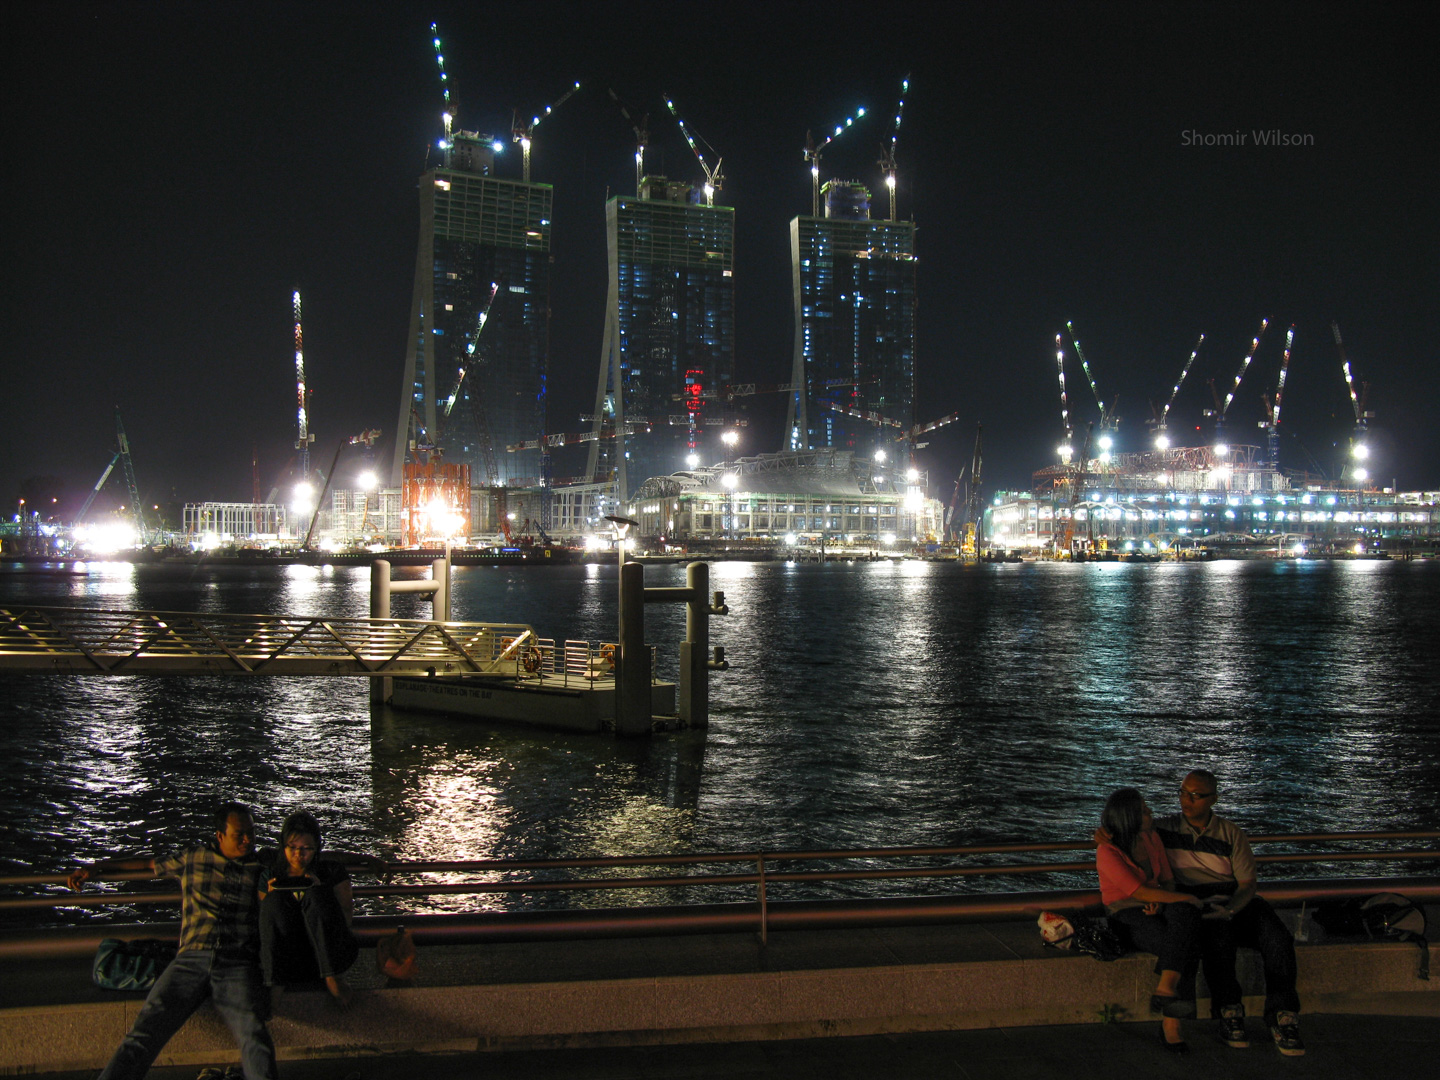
(622, 526)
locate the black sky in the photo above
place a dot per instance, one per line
(173, 171)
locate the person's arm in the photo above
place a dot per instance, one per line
(1153, 895)
(345, 897)
(82, 874)
(1227, 907)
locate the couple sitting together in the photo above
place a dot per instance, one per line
(1183, 888)
(248, 920)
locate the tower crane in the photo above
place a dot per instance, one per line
(1222, 408)
(972, 499)
(1271, 424)
(1359, 450)
(1067, 448)
(121, 456)
(812, 154)
(1162, 439)
(1077, 483)
(908, 435)
(714, 178)
(367, 438)
(303, 437)
(642, 139)
(524, 133)
(1109, 422)
(887, 159)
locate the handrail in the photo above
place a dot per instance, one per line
(762, 877)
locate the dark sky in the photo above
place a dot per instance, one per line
(173, 171)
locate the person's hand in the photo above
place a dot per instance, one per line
(1195, 902)
(78, 878)
(1219, 912)
(1152, 908)
(1101, 835)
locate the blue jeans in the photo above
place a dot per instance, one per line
(1173, 935)
(304, 940)
(194, 977)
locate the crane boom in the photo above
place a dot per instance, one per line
(1105, 417)
(1244, 364)
(1357, 400)
(1064, 401)
(130, 476)
(470, 355)
(812, 155)
(714, 178)
(887, 160)
(1165, 412)
(524, 133)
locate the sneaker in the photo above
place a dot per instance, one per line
(1285, 1029)
(1230, 1027)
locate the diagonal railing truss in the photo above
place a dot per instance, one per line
(87, 641)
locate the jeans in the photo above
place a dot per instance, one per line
(191, 979)
(1173, 935)
(1258, 927)
(304, 940)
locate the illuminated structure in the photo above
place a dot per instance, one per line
(854, 292)
(477, 232)
(805, 498)
(669, 331)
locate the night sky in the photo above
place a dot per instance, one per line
(174, 171)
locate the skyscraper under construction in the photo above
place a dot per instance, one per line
(669, 332)
(477, 351)
(854, 292)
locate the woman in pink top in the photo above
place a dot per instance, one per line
(1138, 889)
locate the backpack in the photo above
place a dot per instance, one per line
(130, 965)
(1379, 917)
(1083, 934)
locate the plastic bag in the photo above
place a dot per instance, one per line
(130, 965)
(395, 956)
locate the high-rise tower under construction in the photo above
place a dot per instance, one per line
(475, 385)
(854, 292)
(669, 332)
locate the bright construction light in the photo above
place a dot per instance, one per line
(1360, 451)
(1065, 451)
(368, 480)
(880, 456)
(1221, 450)
(497, 146)
(912, 474)
(890, 180)
(914, 499)
(887, 538)
(1360, 473)
(790, 539)
(731, 437)
(594, 543)
(304, 489)
(1162, 442)
(1106, 442)
(730, 480)
(692, 460)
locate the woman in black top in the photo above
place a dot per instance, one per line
(305, 913)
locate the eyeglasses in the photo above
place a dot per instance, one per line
(298, 850)
(1186, 793)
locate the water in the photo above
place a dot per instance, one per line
(868, 705)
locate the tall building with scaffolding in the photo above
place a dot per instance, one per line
(669, 333)
(479, 235)
(854, 295)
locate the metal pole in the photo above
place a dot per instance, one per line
(695, 667)
(632, 692)
(381, 688)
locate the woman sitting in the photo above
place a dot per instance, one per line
(1137, 887)
(305, 913)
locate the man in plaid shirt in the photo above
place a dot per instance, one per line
(219, 958)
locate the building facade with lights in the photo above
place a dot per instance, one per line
(669, 333)
(804, 498)
(854, 295)
(1195, 497)
(478, 234)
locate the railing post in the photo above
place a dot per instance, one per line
(764, 910)
(382, 688)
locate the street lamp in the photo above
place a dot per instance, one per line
(622, 526)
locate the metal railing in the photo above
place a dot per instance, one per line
(85, 641)
(763, 911)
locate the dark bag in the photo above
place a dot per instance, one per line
(1385, 915)
(130, 965)
(1095, 936)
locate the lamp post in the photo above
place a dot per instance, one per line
(622, 526)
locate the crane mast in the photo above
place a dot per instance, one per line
(887, 160)
(524, 133)
(124, 444)
(642, 139)
(1107, 417)
(1067, 447)
(447, 111)
(303, 438)
(1358, 448)
(1271, 423)
(812, 155)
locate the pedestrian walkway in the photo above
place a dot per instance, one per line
(1339, 1047)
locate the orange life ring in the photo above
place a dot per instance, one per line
(532, 660)
(607, 654)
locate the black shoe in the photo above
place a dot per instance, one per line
(1285, 1029)
(1174, 1007)
(1179, 1049)
(1230, 1027)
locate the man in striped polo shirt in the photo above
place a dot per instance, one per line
(1211, 859)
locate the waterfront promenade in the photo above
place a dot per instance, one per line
(954, 999)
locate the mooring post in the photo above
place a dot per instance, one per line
(382, 687)
(632, 690)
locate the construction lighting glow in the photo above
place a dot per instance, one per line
(880, 456)
(790, 539)
(368, 480)
(1360, 451)
(1066, 451)
(912, 474)
(594, 543)
(692, 460)
(730, 480)
(1106, 442)
(1162, 442)
(887, 538)
(1360, 473)
(1221, 449)
(105, 539)
(730, 438)
(914, 499)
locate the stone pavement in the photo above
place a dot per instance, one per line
(1339, 1047)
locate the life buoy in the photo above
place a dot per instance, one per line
(532, 660)
(607, 654)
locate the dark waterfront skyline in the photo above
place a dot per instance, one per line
(175, 172)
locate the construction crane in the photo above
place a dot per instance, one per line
(812, 155)
(1109, 422)
(642, 139)
(366, 438)
(1162, 438)
(714, 178)
(447, 111)
(524, 133)
(121, 456)
(1271, 424)
(887, 159)
(1067, 448)
(908, 435)
(1077, 484)
(477, 405)
(1359, 450)
(632, 427)
(1221, 408)
(303, 438)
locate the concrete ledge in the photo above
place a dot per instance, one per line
(781, 997)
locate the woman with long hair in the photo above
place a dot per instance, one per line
(1138, 889)
(305, 913)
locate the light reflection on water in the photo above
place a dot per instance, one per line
(874, 704)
